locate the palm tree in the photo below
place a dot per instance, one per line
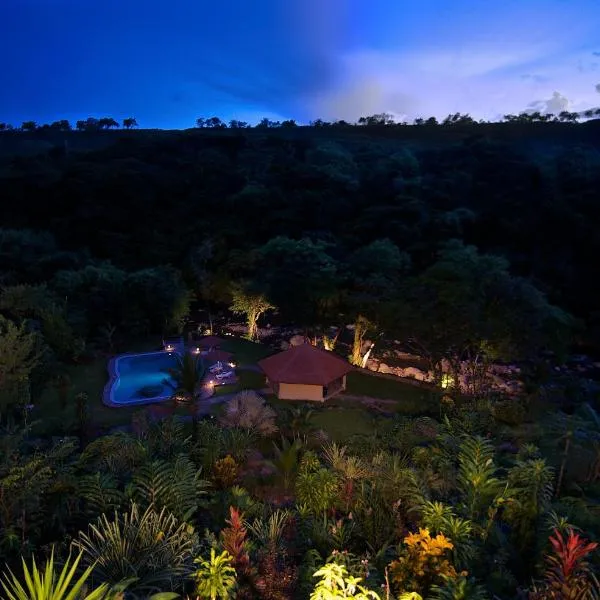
(287, 460)
(215, 577)
(188, 374)
(45, 585)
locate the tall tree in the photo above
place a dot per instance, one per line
(252, 305)
(468, 307)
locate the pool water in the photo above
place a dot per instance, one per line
(135, 372)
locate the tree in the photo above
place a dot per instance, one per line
(20, 354)
(373, 276)
(215, 577)
(300, 277)
(29, 126)
(62, 125)
(235, 124)
(252, 305)
(130, 123)
(107, 123)
(468, 310)
(188, 374)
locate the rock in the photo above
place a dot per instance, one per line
(284, 345)
(297, 340)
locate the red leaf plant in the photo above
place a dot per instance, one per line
(568, 576)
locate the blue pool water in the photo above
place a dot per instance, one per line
(135, 372)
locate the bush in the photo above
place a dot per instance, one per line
(247, 410)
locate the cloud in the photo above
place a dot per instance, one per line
(553, 105)
(598, 87)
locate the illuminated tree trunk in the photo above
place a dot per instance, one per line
(361, 326)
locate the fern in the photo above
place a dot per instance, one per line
(99, 493)
(175, 485)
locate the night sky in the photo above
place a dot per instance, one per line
(168, 62)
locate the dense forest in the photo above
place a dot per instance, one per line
(467, 244)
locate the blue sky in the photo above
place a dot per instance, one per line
(167, 63)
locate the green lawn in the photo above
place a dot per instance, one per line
(90, 378)
(245, 352)
(247, 380)
(412, 400)
(341, 423)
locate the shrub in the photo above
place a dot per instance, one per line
(247, 410)
(225, 471)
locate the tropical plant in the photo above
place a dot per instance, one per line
(235, 540)
(335, 582)
(532, 487)
(568, 575)
(422, 562)
(248, 410)
(175, 485)
(225, 471)
(458, 588)
(46, 585)
(152, 547)
(317, 490)
(188, 374)
(476, 476)
(287, 460)
(215, 577)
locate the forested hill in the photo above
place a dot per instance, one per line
(144, 198)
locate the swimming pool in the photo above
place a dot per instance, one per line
(131, 373)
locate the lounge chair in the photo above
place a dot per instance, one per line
(224, 375)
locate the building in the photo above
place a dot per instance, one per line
(305, 372)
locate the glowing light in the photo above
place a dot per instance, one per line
(232, 364)
(197, 351)
(169, 348)
(447, 381)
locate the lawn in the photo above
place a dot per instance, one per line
(411, 399)
(247, 380)
(342, 423)
(89, 378)
(245, 352)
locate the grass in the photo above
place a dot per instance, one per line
(342, 423)
(89, 378)
(247, 380)
(245, 352)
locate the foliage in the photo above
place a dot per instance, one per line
(248, 410)
(152, 547)
(175, 485)
(252, 306)
(225, 471)
(423, 562)
(335, 582)
(568, 575)
(19, 356)
(46, 585)
(215, 577)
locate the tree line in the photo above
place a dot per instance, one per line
(377, 120)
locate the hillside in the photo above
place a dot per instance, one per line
(142, 198)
